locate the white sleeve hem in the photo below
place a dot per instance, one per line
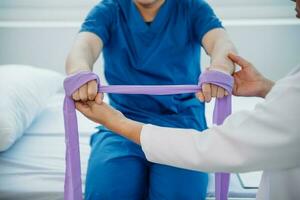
(146, 138)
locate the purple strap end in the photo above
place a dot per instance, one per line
(222, 109)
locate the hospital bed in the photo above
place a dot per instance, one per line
(34, 167)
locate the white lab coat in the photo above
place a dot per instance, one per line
(267, 138)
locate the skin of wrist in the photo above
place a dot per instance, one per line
(74, 70)
(222, 68)
(266, 87)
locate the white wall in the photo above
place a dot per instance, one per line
(75, 10)
(273, 49)
(273, 46)
(40, 33)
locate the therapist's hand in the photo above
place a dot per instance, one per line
(111, 118)
(248, 81)
(297, 9)
(88, 92)
(100, 113)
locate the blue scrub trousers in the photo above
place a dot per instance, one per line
(118, 170)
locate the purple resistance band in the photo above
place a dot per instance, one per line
(73, 190)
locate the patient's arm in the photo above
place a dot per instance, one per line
(217, 45)
(84, 53)
(248, 82)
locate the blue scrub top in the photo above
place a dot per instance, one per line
(165, 52)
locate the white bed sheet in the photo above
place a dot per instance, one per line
(34, 167)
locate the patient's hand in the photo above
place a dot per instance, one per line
(217, 44)
(209, 91)
(248, 81)
(100, 113)
(88, 92)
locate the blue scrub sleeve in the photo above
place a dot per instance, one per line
(100, 20)
(203, 19)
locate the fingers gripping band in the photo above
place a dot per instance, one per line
(72, 187)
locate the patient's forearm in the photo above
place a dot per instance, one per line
(218, 45)
(84, 53)
(219, 55)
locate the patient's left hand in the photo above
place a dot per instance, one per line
(209, 91)
(100, 113)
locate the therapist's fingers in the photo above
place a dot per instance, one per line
(206, 90)
(243, 63)
(83, 91)
(83, 108)
(75, 96)
(99, 98)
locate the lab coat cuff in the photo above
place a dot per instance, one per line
(147, 139)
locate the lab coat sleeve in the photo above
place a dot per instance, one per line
(266, 138)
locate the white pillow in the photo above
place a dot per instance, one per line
(24, 91)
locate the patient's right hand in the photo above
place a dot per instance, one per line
(88, 92)
(248, 81)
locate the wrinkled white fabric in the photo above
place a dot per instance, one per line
(24, 92)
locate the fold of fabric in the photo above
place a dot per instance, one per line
(73, 184)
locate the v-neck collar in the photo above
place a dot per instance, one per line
(138, 24)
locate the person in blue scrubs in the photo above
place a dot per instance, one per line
(148, 42)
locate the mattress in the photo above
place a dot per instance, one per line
(34, 167)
